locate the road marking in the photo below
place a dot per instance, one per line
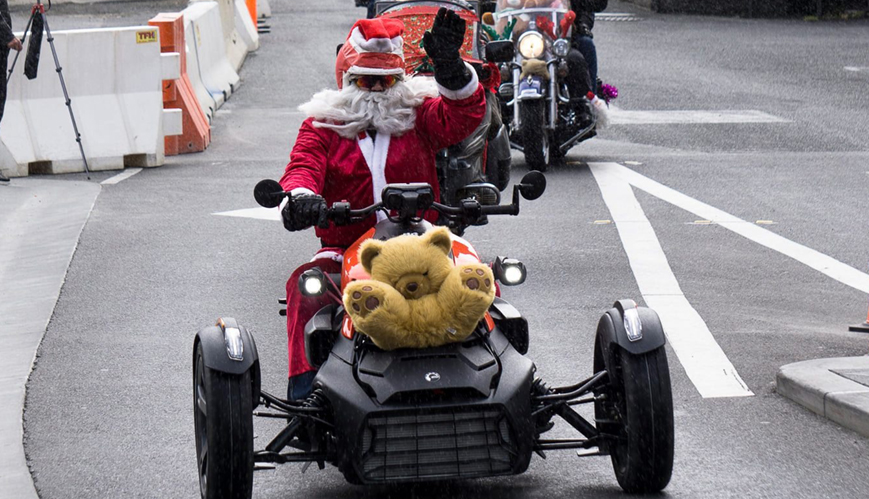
(129, 172)
(705, 363)
(856, 69)
(616, 16)
(814, 259)
(625, 117)
(257, 213)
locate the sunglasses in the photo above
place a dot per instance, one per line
(370, 81)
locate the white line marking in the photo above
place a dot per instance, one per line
(705, 363)
(257, 213)
(129, 172)
(624, 117)
(814, 259)
(856, 69)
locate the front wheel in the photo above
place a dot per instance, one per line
(223, 423)
(638, 409)
(535, 139)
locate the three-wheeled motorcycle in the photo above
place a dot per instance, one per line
(465, 410)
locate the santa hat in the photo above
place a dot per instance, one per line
(373, 47)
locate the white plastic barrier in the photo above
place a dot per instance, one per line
(263, 9)
(210, 72)
(236, 49)
(114, 80)
(246, 28)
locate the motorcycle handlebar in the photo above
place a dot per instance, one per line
(270, 194)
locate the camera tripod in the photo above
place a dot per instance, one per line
(35, 25)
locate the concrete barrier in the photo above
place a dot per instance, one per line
(208, 67)
(113, 77)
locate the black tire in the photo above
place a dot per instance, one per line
(535, 140)
(223, 422)
(638, 409)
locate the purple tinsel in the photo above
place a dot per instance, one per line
(608, 92)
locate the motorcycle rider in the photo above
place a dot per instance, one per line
(376, 129)
(583, 39)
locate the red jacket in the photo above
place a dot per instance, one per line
(336, 168)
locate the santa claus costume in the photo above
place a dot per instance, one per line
(355, 141)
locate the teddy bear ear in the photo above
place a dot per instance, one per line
(440, 237)
(370, 249)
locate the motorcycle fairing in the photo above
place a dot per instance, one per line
(396, 399)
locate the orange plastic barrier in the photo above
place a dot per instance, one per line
(251, 7)
(179, 94)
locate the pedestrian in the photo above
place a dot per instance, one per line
(379, 128)
(8, 41)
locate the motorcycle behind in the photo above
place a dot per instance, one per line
(484, 156)
(545, 120)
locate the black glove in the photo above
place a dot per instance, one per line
(442, 45)
(303, 211)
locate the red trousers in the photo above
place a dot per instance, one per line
(300, 309)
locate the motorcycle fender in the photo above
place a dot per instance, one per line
(321, 332)
(215, 353)
(611, 329)
(499, 147)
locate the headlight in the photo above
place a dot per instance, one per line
(561, 47)
(312, 282)
(509, 271)
(531, 45)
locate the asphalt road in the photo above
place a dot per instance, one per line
(109, 410)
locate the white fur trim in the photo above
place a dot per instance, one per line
(301, 190)
(375, 153)
(361, 70)
(295, 192)
(601, 113)
(335, 256)
(383, 45)
(464, 92)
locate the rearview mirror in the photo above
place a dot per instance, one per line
(500, 51)
(532, 185)
(268, 193)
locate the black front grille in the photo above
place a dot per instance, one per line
(459, 443)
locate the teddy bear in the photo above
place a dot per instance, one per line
(417, 297)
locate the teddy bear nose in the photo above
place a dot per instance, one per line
(412, 286)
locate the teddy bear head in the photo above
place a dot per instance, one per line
(414, 265)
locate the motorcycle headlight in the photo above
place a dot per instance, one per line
(561, 47)
(531, 45)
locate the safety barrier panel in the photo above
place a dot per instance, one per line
(263, 9)
(212, 76)
(246, 28)
(113, 77)
(237, 42)
(178, 93)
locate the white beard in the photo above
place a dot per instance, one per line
(352, 110)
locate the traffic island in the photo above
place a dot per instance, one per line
(836, 388)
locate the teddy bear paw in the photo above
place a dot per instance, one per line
(476, 277)
(365, 300)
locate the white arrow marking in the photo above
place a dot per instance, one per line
(705, 363)
(257, 213)
(624, 117)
